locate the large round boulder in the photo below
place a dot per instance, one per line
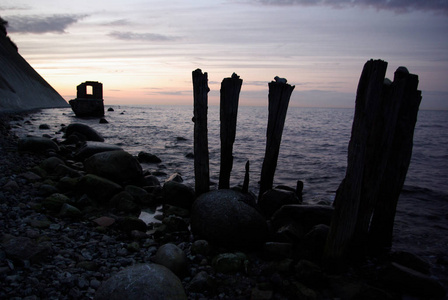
(223, 217)
(147, 281)
(118, 166)
(172, 257)
(98, 188)
(83, 132)
(37, 144)
(90, 148)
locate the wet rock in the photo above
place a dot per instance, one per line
(50, 164)
(123, 201)
(178, 194)
(63, 170)
(309, 273)
(145, 157)
(55, 202)
(148, 281)
(172, 257)
(104, 221)
(175, 177)
(140, 195)
(24, 249)
(47, 189)
(222, 217)
(31, 176)
(44, 126)
(169, 210)
(118, 166)
(103, 121)
(201, 282)
(306, 216)
(273, 199)
(98, 188)
(128, 224)
(83, 131)
(412, 282)
(37, 144)
(11, 185)
(91, 147)
(276, 250)
(314, 242)
(201, 247)
(229, 262)
(69, 211)
(411, 261)
(151, 181)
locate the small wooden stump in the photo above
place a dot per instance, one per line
(201, 156)
(230, 92)
(279, 95)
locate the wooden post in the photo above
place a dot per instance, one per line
(381, 228)
(378, 158)
(201, 156)
(230, 92)
(245, 188)
(348, 196)
(279, 95)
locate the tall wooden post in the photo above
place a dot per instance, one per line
(348, 196)
(230, 92)
(279, 95)
(378, 158)
(201, 156)
(381, 228)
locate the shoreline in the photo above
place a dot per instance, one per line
(70, 257)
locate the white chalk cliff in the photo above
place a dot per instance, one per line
(21, 87)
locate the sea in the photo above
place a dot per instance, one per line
(313, 149)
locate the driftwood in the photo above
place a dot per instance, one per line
(279, 95)
(230, 92)
(379, 112)
(201, 155)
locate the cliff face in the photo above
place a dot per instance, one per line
(21, 87)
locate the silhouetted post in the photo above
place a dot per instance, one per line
(378, 158)
(230, 93)
(381, 228)
(348, 196)
(201, 158)
(245, 188)
(279, 95)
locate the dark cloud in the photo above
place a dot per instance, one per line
(153, 37)
(42, 24)
(401, 6)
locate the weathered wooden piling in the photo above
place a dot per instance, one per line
(379, 106)
(381, 227)
(201, 156)
(230, 92)
(279, 95)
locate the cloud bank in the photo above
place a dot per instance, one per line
(132, 36)
(41, 24)
(399, 6)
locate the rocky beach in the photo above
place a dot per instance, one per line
(69, 213)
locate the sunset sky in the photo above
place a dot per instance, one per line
(144, 51)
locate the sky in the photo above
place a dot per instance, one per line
(144, 51)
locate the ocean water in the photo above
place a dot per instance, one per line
(314, 143)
